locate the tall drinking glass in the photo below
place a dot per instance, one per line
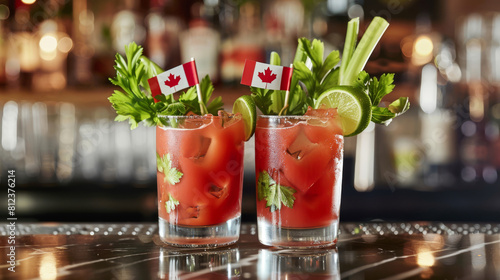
(298, 163)
(200, 177)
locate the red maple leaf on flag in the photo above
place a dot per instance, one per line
(267, 76)
(172, 80)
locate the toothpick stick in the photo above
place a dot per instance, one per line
(203, 109)
(287, 95)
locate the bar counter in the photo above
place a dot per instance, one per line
(364, 251)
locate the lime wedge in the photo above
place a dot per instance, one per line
(246, 107)
(353, 106)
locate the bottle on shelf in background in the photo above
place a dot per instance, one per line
(202, 42)
(283, 22)
(4, 15)
(437, 119)
(164, 24)
(494, 127)
(494, 81)
(54, 44)
(424, 139)
(22, 49)
(475, 139)
(83, 27)
(474, 144)
(246, 43)
(400, 140)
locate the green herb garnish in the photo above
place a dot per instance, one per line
(164, 165)
(134, 101)
(274, 194)
(376, 90)
(171, 203)
(308, 83)
(190, 98)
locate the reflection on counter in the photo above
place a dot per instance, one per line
(364, 251)
(209, 264)
(293, 264)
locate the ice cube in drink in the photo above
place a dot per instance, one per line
(209, 156)
(307, 152)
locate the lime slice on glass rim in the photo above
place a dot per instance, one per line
(246, 107)
(353, 106)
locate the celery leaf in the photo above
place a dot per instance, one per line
(171, 204)
(164, 165)
(275, 194)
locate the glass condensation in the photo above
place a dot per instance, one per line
(299, 175)
(200, 176)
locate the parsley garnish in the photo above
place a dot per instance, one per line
(171, 203)
(134, 101)
(274, 194)
(376, 90)
(164, 165)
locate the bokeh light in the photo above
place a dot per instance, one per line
(48, 47)
(65, 44)
(48, 43)
(4, 12)
(425, 258)
(48, 268)
(424, 46)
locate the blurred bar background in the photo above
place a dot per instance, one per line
(439, 161)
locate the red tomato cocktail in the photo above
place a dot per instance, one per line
(200, 176)
(298, 163)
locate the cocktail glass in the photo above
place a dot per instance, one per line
(298, 163)
(200, 177)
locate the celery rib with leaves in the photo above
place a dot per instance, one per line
(134, 101)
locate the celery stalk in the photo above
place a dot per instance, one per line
(276, 98)
(300, 56)
(351, 39)
(275, 59)
(364, 49)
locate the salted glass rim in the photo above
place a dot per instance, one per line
(172, 120)
(208, 116)
(291, 117)
(275, 120)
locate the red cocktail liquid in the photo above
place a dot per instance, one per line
(304, 153)
(209, 153)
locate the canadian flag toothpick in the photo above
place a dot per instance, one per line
(266, 76)
(175, 79)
